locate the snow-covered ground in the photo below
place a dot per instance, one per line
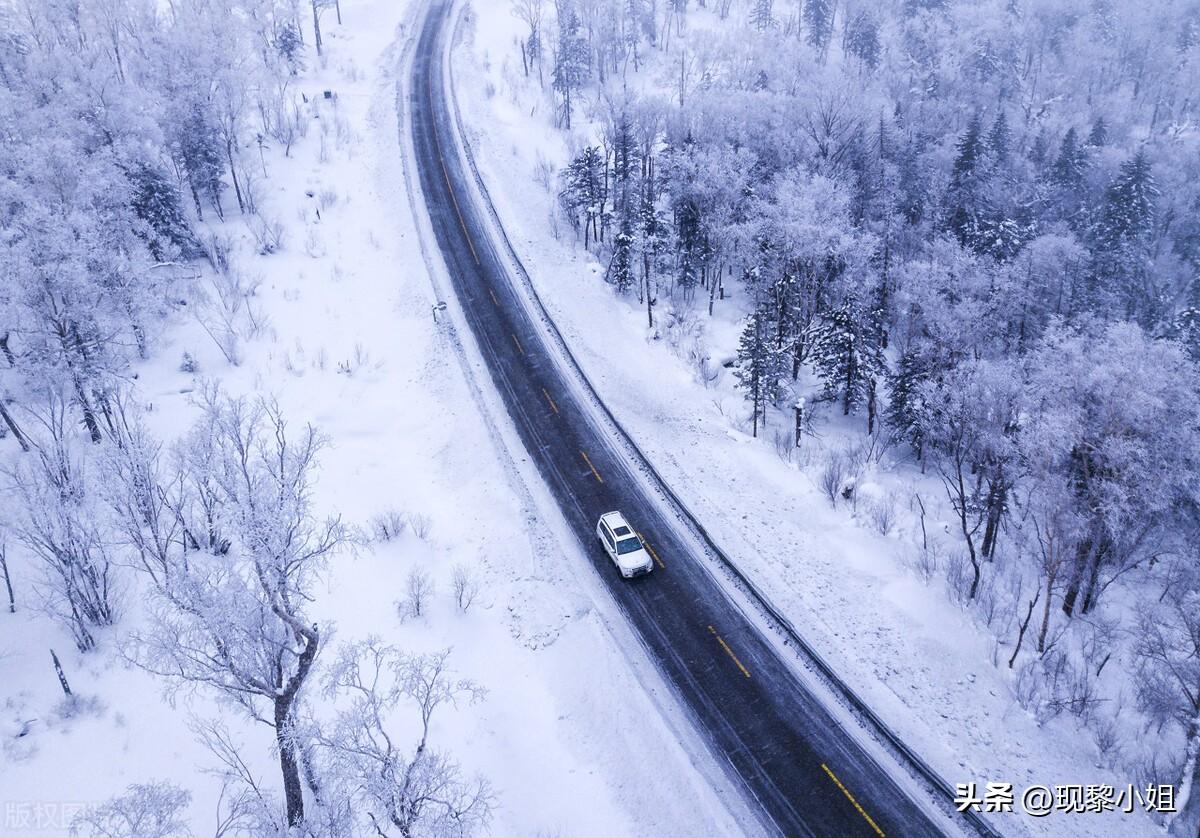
(569, 736)
(918, 660)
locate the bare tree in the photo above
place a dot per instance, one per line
(418, 589)
(531, 13)
(61, 523)
(1168, 647)
(230, 608)
(403, 790)
(466, 587)
(150, 810)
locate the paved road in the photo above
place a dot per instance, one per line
(796, 765)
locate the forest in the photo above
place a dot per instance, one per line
(132, 155)
(973, 229)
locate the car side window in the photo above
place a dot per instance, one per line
(608, 537)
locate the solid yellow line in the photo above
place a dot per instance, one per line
(592, 467)
(461, 223)
(520, 348)
(729, 651)
(655, 555)
(850, 797)
(553, 406)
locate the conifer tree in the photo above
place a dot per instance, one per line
(572, 63)
(847, 356)
(759, 363)
(818, 23)
(762, 17)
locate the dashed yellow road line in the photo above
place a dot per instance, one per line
(493, 294)
(587, 460)
(553, 406)
(655, 555)
(850, 797)
(520, 348)
(729, 651)
(461, 222)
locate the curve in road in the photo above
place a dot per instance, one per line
(799, 768)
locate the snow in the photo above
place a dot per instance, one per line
(573, 735)
(915, 657)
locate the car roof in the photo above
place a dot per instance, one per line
(617, 523)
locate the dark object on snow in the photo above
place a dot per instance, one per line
(62, 678)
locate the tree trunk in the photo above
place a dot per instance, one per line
(12, 602)
(237, 187)
(1024, 627)
(1092, 590)
(316, 28)
(7, 351)
(1190, 773)
(289, 764)
(1085, 556)
(871, 405)
(12, 426)
(960, 505)
(62, 678)
(293, 790)
(1041, 644)
(995, 506)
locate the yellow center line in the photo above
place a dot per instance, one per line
(461, 222)
(493, 293)
(553, 406)
(850, 797)
(592, 467)
(729, 651)
(655, 555)
(520, 348)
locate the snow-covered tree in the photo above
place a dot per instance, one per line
(572, 61)
(847, 355)
(146, 810)
(61, 520)
(230, 612)
(397, 787)
(760, 364)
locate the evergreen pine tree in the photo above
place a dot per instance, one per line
(1121, 243)
(197, 149)
(847, 356)
(583, 192)
(965, 202)
(1187, 322)
(1071, 164)
(1127, 216)
(862, 39)
(818, 23)
(969, 153)
(156, 201)
(761, 15)
(1098, 138)
(759, 363)
(999, 139)
(572, 63)
(620, 267)
(906, 413)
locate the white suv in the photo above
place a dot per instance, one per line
(623, 545)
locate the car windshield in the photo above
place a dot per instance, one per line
(628, 545)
